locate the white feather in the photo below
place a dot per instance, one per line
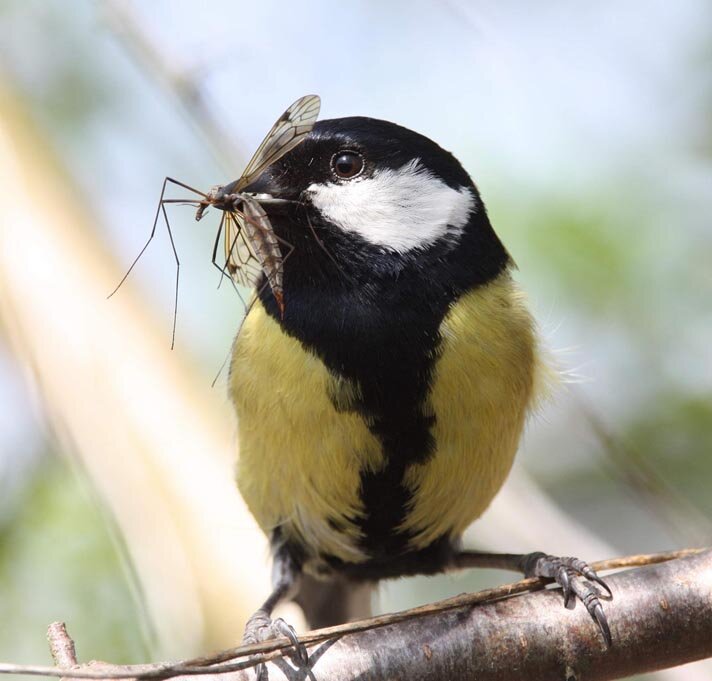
(401, 209)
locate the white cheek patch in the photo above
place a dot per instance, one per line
(401, 209)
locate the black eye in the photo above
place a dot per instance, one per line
(347, 164)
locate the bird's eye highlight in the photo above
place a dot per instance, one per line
(347, 164)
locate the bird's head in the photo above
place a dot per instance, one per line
(371, 197)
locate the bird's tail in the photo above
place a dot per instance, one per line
(327, 603)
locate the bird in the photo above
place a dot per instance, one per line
(381, 397)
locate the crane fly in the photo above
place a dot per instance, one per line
(251, 248)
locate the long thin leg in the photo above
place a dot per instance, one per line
(150, 237)
(568, 572)
(161, 209)
(161, 204)
(175, 255)
(286, 573)
(216, 245)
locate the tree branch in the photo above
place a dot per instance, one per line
(661, 616)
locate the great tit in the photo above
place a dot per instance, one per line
(381, 401)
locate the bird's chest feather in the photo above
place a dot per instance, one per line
(401, 434)
(300, 456)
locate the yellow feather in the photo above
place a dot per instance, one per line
(300, 459)
(482, 387)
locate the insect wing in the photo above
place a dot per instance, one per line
(291, 128)
(241, 261)
(265, 246)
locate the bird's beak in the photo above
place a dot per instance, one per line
(272, 204)
(263, 184)
(268, 194)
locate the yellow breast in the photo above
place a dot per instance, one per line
(300, 459)
(485, 379)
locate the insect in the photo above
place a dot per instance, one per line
(250, 245)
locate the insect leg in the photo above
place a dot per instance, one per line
(217, 243)
(223, 268)
(185, 186)
(175, 255)
(150, 238)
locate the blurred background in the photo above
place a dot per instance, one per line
(589, 134)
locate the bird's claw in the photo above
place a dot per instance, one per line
(288, 631)
(568, 572)
(260, 627)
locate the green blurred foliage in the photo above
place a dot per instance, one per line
(585, 252)
(675, 435)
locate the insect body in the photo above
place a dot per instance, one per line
(251, 248)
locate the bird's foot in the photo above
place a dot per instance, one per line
(571, 574)
(261, 627)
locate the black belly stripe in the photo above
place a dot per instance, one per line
(406, 439)
(375, 322)
(393, 379)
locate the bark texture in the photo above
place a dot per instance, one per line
(660, 616)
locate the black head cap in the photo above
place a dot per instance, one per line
(382, 144)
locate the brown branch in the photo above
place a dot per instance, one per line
(661, 616)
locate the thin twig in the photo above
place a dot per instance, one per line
(61, 646)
